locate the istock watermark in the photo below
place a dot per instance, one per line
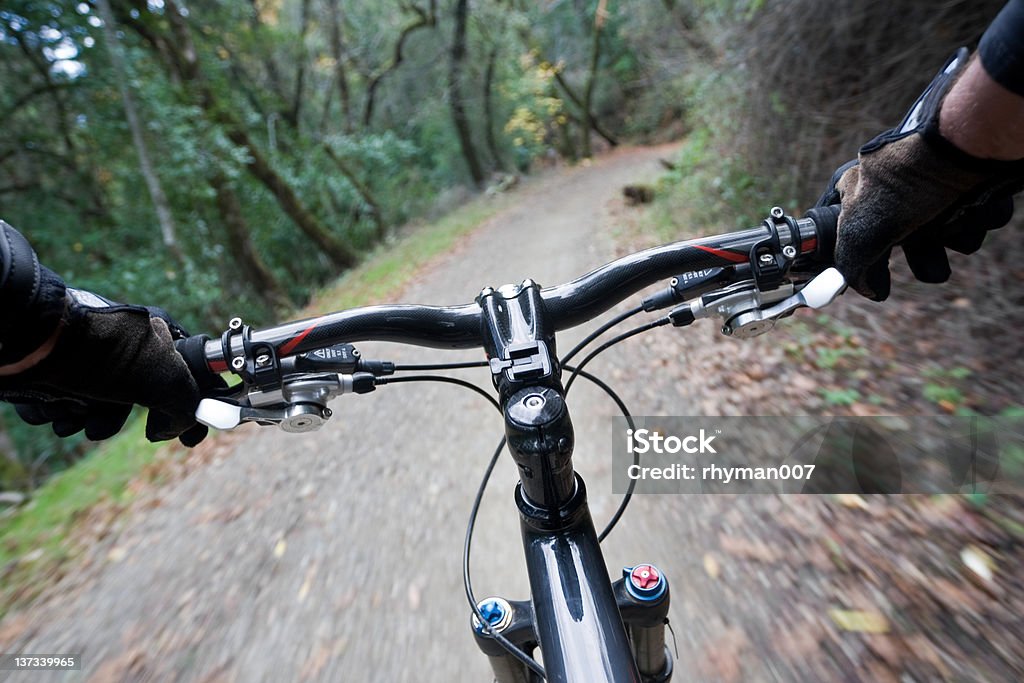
(644, 441)
(818, 454)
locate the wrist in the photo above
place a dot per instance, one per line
(982, 118)
(33, 358)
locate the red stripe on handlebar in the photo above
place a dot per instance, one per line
(721, 253)
(288, 346)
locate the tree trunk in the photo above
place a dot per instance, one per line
(339, 253)
(241, 248)
(492, 145)
(338, 54)
(459, 115)
(588, 92)
(361, 188)
(424, 19)
(300, 70)
(156, 190)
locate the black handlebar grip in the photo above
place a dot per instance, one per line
(826, 221)
(192, 350)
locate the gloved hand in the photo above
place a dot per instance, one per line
(107, 357)
(911, 187)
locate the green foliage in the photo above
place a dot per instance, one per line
(840, 397)
(942, 389)
(938, 393)
(829, 358)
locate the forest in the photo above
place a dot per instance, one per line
(221, 155)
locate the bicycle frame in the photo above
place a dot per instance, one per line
(577, 620)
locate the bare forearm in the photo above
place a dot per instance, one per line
(982, 117)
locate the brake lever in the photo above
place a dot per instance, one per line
(299, 406)
(749, 312)
(819, 292)
(297, 417)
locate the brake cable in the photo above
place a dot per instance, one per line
(443, 379)
(467, 581)
(443, 366)
(622, 317)
(613, 341)
(636, 456)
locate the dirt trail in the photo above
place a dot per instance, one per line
(336, 555)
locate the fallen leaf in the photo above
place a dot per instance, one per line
(711, 566)
(978, 562)
(280, 548)
(414, 596)
(745, 549)
(117, 554)
(307, 583)
(859, 621)
(852, 500)
(32, 556)
(887, 649)
(981, 568)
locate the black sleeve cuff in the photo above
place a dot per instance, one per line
(31, 298)
(1002, 48)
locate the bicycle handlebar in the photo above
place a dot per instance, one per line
(567, 305)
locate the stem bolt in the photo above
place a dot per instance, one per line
(235, 323)
(534, 401)
(238, 362)
(789, 251)
(777, 212)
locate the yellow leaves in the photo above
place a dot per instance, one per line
(525, 125)
(528, 59)
(324, 63)
(269, 11)
(859, 621)
(546, 71)
(280, 548)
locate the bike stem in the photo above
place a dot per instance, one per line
(577, 620)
